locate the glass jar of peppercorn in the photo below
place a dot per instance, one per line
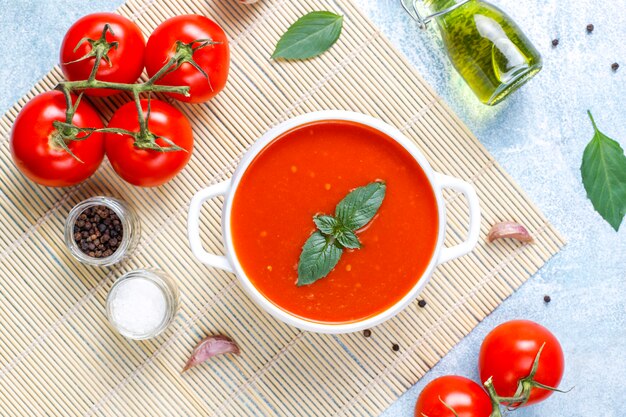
(101, 231)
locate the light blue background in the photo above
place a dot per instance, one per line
(538, 135)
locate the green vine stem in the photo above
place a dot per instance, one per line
(447, 406)
(139, 88)
(526, 385)
(99, 50)
(144, 139)
(495, 399)
(523, 392)
(183, 54)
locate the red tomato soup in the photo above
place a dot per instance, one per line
(307, 171)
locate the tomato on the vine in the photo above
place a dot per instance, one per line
(443, 395)
(125, 58)
(508, 353)
(214, 58)
(143, 166)
(36, 146)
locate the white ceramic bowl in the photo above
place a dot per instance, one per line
(228, 189)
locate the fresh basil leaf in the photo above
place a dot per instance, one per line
(348, 239)
(323, 249)
(604, 176)
(360, 206)
(326, 224)
(319, 256)
(312, 35)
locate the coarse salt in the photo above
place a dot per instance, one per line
(138, 306)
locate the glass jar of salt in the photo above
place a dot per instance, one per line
(142, 303)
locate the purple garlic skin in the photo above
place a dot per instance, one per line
(209, 347)
(509, 230)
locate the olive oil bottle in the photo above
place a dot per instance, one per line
(485, 46)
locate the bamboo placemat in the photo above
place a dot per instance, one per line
(58, 356)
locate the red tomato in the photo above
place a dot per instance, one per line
(213, 59)
(126, 59)
(463, 395)
(508, 352)
(39, 158)
(147, 167)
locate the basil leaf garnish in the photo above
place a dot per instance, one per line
(326, 224)
(310, 36)
(360, 206)
(348, 240)
(319, 256)
(603, 171)
(323, 249)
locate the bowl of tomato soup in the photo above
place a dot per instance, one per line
(302, 169)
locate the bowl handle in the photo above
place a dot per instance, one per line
(193, 226)
(448, 254)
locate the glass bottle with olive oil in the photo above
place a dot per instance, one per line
(485, 46)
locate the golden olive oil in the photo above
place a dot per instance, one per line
(486, 47)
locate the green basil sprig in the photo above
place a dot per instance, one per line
(322, 251)
(604, 176)
(311, 35)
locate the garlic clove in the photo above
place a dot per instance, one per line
(509, 230)
(209, 347)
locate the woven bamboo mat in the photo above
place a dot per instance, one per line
(58, 356)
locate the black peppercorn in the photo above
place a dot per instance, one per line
(421, 303)
(590, 28)
(547, 299)
(367, 332)
(395, 347)
(98, 232)
(555, 42)
(615, 66)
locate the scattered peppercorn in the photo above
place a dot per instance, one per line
(547, 299)
(395, 347)
(555, 42)
(367, 332)
(615, 66)
(590, 28)
(421, 303)
(98, 232)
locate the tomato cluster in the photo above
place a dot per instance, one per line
(58, 138)
(520, 363)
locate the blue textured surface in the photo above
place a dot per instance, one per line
(538, 135)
